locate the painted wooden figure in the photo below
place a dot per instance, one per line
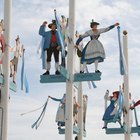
(60, 115)
(2, 46)
(18, 50)
(51, 45)
(93, 52)
(111, 109)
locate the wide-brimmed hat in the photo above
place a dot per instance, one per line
(117, 93)
(53, 23)
(93, 23)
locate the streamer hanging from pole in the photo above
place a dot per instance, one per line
(24, 81)
(60, 34)
(123, 67)
(40, 118)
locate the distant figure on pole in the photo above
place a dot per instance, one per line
(2, 46)
(93, 52)
(111, 109)
(51, 45)
(18, 50)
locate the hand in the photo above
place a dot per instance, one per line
(117, 24)
(76, 46)
(44, 23)
(58, 47)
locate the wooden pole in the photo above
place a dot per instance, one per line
(6, 69)
(127, 136)
(70, 68)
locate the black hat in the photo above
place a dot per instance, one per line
(93, 23)
(53, 23)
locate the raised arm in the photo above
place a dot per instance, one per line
(42, 31)
(103, 30)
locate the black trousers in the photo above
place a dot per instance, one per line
(55, 52)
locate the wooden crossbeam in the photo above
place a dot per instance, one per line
(52, 79)
(78, 77)
(121, 130)
(87, 77)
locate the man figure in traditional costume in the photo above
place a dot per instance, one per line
(14, 62)
(93, 52)
(2, 46)
(51, 45)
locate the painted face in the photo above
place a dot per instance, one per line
(94, 27)
(115, 95)
(53, 27)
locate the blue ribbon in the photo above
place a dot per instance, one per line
(60, 34)
(123, 69)
(24, 81)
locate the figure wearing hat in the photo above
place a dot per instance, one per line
(18, 49)
(2, 46)
(51, 45)
(111, 109)
(93, 52)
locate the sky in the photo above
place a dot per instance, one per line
(26, 20)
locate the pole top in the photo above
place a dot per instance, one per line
(125, 32)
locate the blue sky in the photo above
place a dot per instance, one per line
(26, 19)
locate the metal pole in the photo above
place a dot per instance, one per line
(127, 118)
(70, 68)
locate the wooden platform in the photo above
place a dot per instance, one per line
(12, 85)
(75, 131)
(78, 77)
(121, 130)
(52, 79)
(1, 79)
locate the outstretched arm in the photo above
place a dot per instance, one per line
(55, 99)
(137, 103)
(103, 30)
